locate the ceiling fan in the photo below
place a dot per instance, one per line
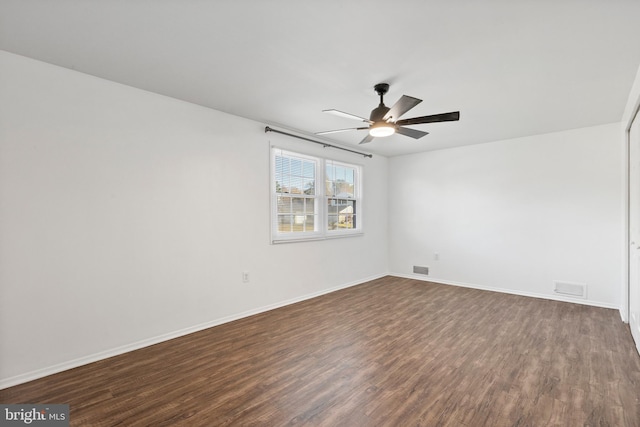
(383, 120)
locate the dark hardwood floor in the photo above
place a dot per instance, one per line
(391, 352)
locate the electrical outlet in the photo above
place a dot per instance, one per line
(245, 276)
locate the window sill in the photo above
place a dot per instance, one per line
(278, 241)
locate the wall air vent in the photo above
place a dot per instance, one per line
(420, 270)
(578, 290)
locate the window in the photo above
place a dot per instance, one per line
(340, 191)
(313, 198)
(295, 191)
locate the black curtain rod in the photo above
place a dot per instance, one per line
(324, 144)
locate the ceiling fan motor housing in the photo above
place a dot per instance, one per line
(377, 114)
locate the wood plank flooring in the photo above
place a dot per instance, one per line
(391, 352)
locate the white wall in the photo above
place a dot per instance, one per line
(127, 217)
(514, 215)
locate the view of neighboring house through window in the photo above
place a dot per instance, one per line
(303, 208)
(340, 191)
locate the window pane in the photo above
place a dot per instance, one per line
(347, 184)
(284, 204)
(330, 173)
(297, 183)
(341, 214)
(329, 180)
(332, 214)
(294, 175)
(309, 208)
(340, 181)
(349, 176)
(303, 215)
(280, 173)
(329, 188)
(297, 206)
(285, 184)
(332, 222)
(298, 223)
(343, 189)
(346, 213)
(310, 222)
(296, 167)
(282, 165)
(309, 187)
(284, 223)
(309, 169)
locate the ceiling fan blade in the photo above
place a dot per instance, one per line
(346, 115)
(413, 133)
(444, 117)
(367, 139)
(403, 105)
(326, 132)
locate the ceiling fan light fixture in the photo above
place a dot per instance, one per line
(382, 129)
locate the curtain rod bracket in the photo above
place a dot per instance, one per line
(324, 144)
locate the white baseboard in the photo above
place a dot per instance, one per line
(50, 370)
(634, 323)
(507, 291)
(624, 315)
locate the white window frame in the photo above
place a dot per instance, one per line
(321, 231)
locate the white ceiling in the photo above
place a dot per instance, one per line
(512, 68)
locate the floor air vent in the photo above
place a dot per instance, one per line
(572, 289)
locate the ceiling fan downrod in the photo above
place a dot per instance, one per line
(381, 89)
